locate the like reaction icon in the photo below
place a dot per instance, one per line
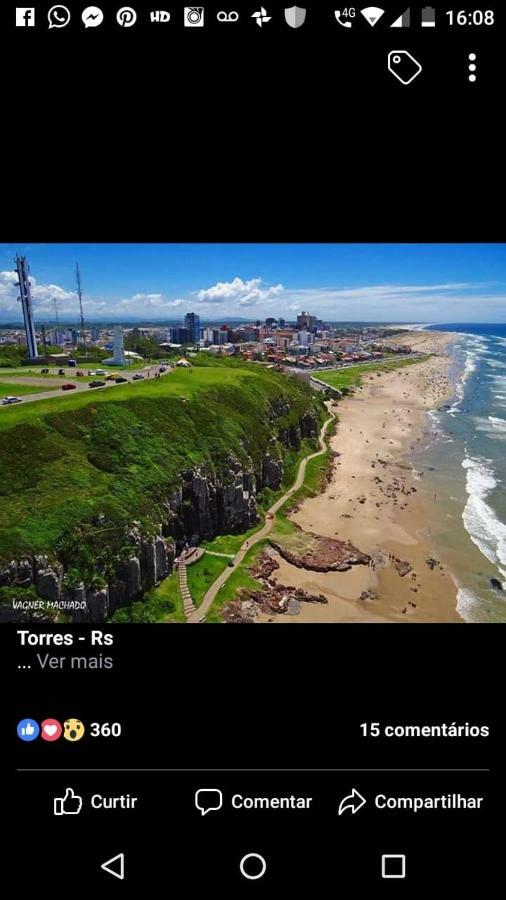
(28, 729)
(69, 805)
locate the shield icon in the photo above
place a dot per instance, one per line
(295, 16)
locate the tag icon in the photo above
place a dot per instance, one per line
(403, 66)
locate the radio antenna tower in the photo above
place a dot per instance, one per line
(80, 295)
(55, 304)
(25, 298)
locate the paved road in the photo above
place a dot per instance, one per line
(70, 376)
(210, 594)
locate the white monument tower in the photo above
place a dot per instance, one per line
(119, 349)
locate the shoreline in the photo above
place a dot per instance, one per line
(373, 500)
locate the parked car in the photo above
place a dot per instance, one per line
(72, 363)
(100, 372)
(96, 384)
(44, 371)
(91, 373)
(138, 377)
(68, 387)
(61, 371)
(109, 377)
(79, 374)
(8, 400)
(120, 380)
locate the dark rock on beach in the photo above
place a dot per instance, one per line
(496, 585)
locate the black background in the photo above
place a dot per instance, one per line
(197, 141)
(242, 86)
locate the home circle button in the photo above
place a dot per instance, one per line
(253, 866)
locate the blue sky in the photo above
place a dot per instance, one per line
(339, 282)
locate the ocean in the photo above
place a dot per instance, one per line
(464, 466)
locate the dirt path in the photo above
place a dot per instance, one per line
(200, 614)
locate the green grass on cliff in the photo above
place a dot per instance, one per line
(202, 574)
(163, 603)
(239, 579)
(119, 453)
(283, 531)
(352, 376)
(13, 389)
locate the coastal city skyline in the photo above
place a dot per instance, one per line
(260, 454)
(405, 283)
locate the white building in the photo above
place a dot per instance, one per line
(305, 338)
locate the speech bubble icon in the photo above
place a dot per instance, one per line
(208, 800)
(58, 17)
(92, 16)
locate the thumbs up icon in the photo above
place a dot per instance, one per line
(69, 805)
(28, 729)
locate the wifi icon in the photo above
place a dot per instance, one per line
(372, 13)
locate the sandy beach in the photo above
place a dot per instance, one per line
(373, 500)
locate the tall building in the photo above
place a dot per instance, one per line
(192, 323)
(214, 336)
(57, 337)
(305, 322)
(179, 335)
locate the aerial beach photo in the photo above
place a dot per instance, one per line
(253, 433)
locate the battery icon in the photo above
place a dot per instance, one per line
(428, 17)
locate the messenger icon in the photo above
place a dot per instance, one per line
(208, 800)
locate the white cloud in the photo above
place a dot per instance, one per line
(150, 302)
(43, 295)
(391, 301)
(451, 301)
(239, 293)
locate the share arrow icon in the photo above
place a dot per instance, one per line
(353, 801)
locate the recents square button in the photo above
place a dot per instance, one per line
(393, 865)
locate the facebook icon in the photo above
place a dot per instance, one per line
(25, 17)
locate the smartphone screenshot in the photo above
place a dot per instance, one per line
(252, 373)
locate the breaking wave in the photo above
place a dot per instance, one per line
(480, 521)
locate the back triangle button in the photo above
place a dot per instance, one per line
(115, 866)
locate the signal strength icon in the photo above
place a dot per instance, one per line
(373, 14)
(403, 21)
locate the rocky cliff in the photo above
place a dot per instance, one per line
(205, 504)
